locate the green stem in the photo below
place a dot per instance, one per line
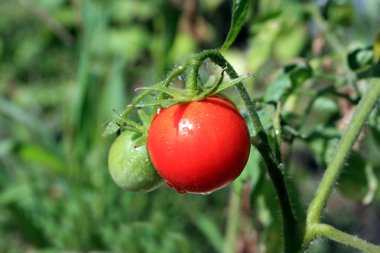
(219, 60)
(344, 147)
(292, 240)
(292, 235)
(137, 100)
(173, 74)
(194, 65)
(192, 75)
(344, 238)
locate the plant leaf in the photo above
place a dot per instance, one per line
(232, 82)
(171, 91)
(111, 127)
(299, 73)
(239, 12)
(279, 89)
(376, 48)
(360, 58)
(42, 156)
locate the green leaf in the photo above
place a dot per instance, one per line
(232, 82)
(111, 127)
(266, 114)
(223, 86)
(161, 102)
(360, 58)
(42, 156)
(293, 76)
(13, 194)
(252, 172)
(291, 37)
(323, 110)
(365, 61)
(299, 73)
(278, 89)
(171, 91)
(239, 12)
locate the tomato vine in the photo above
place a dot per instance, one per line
(299, 230)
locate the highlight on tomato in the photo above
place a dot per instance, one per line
(199, 146)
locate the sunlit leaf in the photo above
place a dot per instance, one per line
(239, 13)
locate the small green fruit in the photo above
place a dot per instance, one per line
(130, 166)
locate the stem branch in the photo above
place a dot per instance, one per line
(344, 238)
(344, 147)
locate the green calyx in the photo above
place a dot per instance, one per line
(175, 95)
(163, 94)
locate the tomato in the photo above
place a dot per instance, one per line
(199, 146)
(130, 166)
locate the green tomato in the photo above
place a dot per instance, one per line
(130, 166)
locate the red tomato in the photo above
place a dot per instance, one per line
(199, 146)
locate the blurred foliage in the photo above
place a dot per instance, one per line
(67, 66)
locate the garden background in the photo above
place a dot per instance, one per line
(66, 66)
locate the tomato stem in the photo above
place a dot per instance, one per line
(173, 74)
(334, 234)
(192, 76)
(344, 147)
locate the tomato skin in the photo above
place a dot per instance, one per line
(130, 166)
(199, 146)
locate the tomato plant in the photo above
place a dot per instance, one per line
(198, 142)
(199, 146)
(130, 166)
